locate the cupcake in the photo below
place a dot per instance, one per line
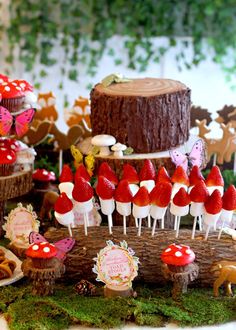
(7, 161)
(42, 254)
(42, 178)
(13, 96)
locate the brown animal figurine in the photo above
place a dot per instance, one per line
(80, 110)
(227, 276)
(47, 102)
(224, 114)
(49, 200)
(216, 147)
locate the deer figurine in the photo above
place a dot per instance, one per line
(216, 147)
(227, 276)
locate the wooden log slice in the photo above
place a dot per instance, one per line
(15, 185)
(79, 262)
(12, 186)
(148, 114)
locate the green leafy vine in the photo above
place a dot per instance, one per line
(83, 28)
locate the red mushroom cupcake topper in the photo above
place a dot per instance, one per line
(178, 255)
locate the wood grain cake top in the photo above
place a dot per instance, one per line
(142, 87)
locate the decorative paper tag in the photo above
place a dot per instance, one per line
(116, 265)
(114, 78)
(21, 221)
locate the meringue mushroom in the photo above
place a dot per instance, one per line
(103, 141)
(118, 149)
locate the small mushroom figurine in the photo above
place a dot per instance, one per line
(103, 141)
(178, 267)
(118, 149)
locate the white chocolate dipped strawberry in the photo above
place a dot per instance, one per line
(159, 200)
(228, 204)
(198, 196)
(130, 174)
(213, 207)
(215, 180)
(64, 211)
(105, 190)
(83, 197)
(66, 181)
(179, 180)
(179, 206)
(141, 206)
(123, 197)
(147, 175)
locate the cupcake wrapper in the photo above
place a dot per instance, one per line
(13, 104)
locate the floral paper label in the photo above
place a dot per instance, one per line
(116, 265)
(21, 221)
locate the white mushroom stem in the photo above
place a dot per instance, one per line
(104, 151)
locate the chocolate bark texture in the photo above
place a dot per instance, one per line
(148, 114)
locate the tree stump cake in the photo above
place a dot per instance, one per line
(148, 114)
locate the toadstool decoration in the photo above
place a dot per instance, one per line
(178, 267)
(43, 267)
(103, 141)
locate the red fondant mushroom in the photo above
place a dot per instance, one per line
(42, 250)
(178, 255)
(11, 90)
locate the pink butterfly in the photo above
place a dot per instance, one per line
(63, 246)
(188, 160)
(19, 122)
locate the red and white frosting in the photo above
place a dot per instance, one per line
(178, 255)
(7, 156)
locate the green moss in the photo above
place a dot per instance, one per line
(153, 307)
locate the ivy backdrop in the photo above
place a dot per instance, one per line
(83, 27)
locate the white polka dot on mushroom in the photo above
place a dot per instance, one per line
(35, 247)
(46, 249)
(7, 89)
(43, 243)
(19, 89)
(9, 157)
(188, 251)
(178, 254)
(14, 84)
(45, 172)
(168, 250)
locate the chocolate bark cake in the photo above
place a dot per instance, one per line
(148, 114)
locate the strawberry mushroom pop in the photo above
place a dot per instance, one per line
(141, 206)
(83, 197)
(105, 190)
(123, 197)
(179, 207)
(228, 207)
(198, 196)
(213, 206)
(66, 181)
(64, 211)
(179, 180)
(194, 177)
(106, 171)
(159, 200)
(162, 175)
(130, 174)
(147, 179)
(215, 180)
(81, 171)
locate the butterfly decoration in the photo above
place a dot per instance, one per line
(63, 246)
(18, 122)
(188, 160)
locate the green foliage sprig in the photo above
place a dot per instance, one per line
(83, 27)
